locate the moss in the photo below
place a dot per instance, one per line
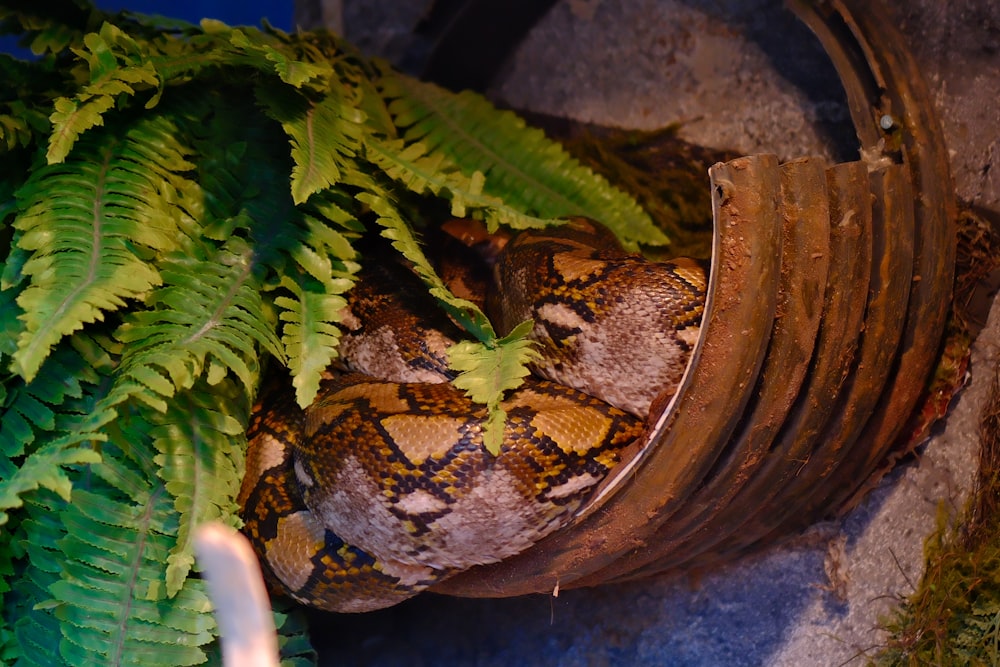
(954, 616)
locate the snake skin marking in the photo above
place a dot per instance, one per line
(555, 437)
(382, 487)
(610, 323)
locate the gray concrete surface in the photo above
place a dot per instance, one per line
(740, 74)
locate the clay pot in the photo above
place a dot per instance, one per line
(829, 290)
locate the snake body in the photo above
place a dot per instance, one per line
(382, 486)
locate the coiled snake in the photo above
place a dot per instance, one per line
(382, 486)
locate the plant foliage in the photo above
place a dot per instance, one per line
(180, 206)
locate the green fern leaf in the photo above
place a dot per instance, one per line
(22, 126)
(70, 385)
(522, 166)
(10, 649)
(324, 135)
(116, 70)
(200, 446)
(209, 310)
(70, 118)
(397, 230)
(294, 647)
(10, 325)
(114, 198)
(489, 367)
(270, 51)
(309, 334)
(92, 586)
(36, 627)
(110, 598)
(487, 372)
(24, 414)
(45, 468)
(30, 409)
(432, 173)
(323, 273)
(333, 221)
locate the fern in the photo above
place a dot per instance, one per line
(30, 409)
(45, 469)
(269, 52)
(309, 336)
(294, 646)
(397, 230)
(313, 301)
(29, 608)
(180, 205)
(199, 443)
(206, 319)
(96, 564)
(490, 370)
(16, 127)
(110, 601)
(530, 172)
(49, 423)
(117, 68)
(85, 246)
(422, 172)
(310, 125)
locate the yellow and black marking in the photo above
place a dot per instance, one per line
(595, 306)
(383, 486)
(299, 557)
(395, 329)
(405, 469)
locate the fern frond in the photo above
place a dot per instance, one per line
(208, 317)
(117, 68)
(36, 627)
(46, 469)
(10, 325)
(110, 599)
(85, 223)
(96, 567)
(432, 173)
(488, 371)
(309, 333)
(270, 51)
(24, 414)
(324, 270)
(294, 647)
(29, 410)
(51, 26)
(9, 648)
(92, 590)
(324, 134)
(38, 450)
(200, 442)
(524, 168)
(401, 234)
(490, 367)
(21, 124)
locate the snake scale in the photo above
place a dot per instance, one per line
(382, 486)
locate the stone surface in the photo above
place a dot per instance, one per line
(741, 74)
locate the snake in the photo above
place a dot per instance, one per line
(382, 487)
